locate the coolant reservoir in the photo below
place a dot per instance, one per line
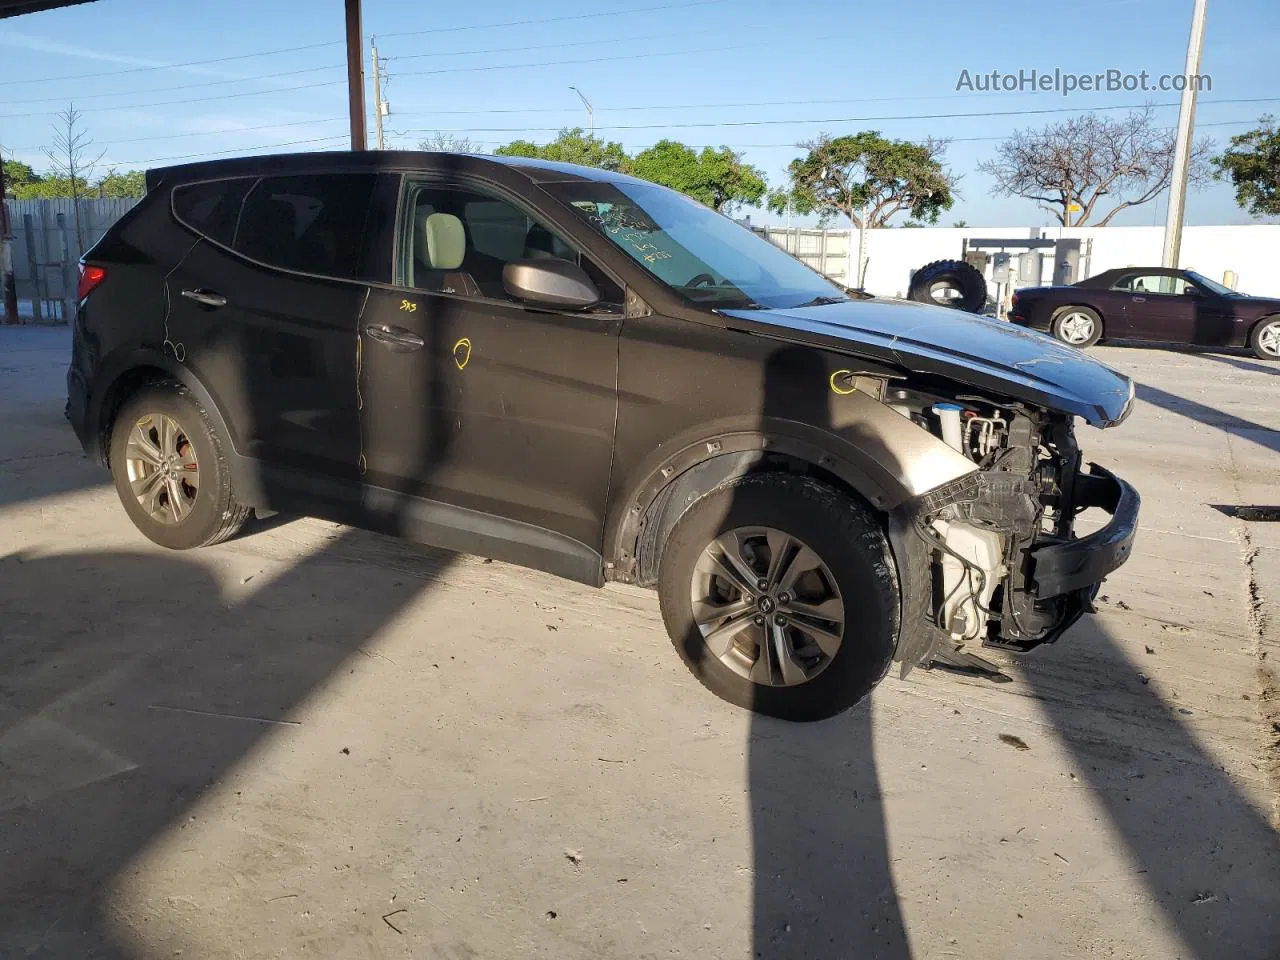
(967, 586)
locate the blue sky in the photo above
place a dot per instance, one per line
(757, 75)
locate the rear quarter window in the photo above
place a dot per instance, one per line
(212, 208)
(311, 223)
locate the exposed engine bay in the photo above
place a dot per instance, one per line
(984, 533)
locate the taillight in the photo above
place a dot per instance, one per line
(90, 277)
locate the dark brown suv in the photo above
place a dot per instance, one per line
(597, 377)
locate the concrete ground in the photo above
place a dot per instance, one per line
(316, 742)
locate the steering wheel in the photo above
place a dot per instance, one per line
(700, 279)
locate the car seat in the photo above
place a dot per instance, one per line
(440, 245)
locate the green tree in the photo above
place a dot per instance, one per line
(130, 184)
(52, 187)
(717, 178)
(17, 174)
(571, 146)
(1252, 163)
(845, 175)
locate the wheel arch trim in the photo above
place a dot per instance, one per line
(243, 475)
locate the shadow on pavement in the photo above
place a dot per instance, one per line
(823, 885)
(1248, 364)
(129, 683)
(1264, 436)
(1208, 857)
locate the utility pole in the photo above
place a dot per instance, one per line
(862, 244)
(355, 76)
(1185, 141)
(591, 115)
(6, 257)
(377, 93)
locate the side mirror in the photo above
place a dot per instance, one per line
(550, 282)
(1191, 291)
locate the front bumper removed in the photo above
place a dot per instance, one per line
(1080, 564)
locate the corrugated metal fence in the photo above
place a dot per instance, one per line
(827, 251)
(47, 248)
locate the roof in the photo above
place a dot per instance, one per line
(1107, 277)
(16, 8)
(537, 171)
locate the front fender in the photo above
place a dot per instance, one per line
(877, 452)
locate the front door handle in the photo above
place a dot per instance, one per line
(208, 297)
(1139, 299)
(396, 338)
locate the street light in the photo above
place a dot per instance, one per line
(591, 118)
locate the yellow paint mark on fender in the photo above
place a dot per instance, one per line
(462, 353)
(839, 389)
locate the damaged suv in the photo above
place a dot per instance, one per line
(587, 374)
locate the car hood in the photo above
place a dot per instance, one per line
(990, 355)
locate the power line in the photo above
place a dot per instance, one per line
(173, 66)
(222, 153)
(562, 19)
(191, 86)
(342, 137)
(967, 115)
(334, 43)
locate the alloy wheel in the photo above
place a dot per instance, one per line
(1269, 339)
(163, 471)
(767, 606)
(1076, 327)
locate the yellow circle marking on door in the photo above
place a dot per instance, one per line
(837, 388)
(462, 353)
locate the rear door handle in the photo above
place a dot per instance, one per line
(207, 297)
(396, 338)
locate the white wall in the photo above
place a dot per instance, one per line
(1252, 251)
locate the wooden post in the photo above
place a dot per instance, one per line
(69, 283)
(355, 76)
(33, 265)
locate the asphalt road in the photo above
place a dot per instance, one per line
(316, 742)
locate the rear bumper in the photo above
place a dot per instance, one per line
(1079, 565)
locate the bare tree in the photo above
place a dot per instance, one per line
(1079, 167)
(69, 157)
(448, 143)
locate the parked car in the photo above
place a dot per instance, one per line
(1152, 303)
(597, 377)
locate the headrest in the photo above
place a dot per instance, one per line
(444, 240)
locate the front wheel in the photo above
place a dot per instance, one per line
(1265, 339)
(1078, 326)
(780, 595)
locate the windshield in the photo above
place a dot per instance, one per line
(1213, 285)
(705, 257)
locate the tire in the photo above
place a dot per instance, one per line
(1071, 323)
(206, 510)
(1264, 341)
(964, 279)
(857, 580)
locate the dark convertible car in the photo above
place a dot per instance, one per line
(1152, 303)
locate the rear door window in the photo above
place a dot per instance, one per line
(310, 223)
(212, 208)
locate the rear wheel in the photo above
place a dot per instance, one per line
(1078, 326)
(169, 470)
(780, 595)
(1265, 339)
